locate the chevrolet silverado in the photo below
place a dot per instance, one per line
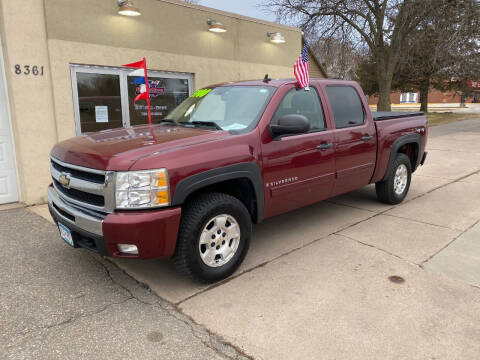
(229, 156)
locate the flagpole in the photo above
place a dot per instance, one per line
(148, 92)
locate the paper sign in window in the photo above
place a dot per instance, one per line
(101, 114)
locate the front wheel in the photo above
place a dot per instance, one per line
(394, 188)
(214, 237)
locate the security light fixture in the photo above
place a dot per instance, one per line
(216, 26)
(276, 37)
(126, 8)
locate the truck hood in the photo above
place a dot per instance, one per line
(119, 149)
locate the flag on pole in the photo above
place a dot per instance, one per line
(302, 67)
(142, 80)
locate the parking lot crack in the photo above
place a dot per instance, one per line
(122, 286)
(331, 201)
(81, 316)
(73, 318)
(444, 185)
(211, 340)
(421, 222)
(448, 244)
(379, 249)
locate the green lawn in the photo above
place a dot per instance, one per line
(436, 118)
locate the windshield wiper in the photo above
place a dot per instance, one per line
(206, 123)
(168, 121)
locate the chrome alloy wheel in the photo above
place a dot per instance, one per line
(400, 180)
(219, 240)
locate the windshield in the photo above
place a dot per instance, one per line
(232, 108)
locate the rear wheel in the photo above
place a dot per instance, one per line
(214, 237)
(395, 187)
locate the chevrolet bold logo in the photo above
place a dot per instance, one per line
(64, 179)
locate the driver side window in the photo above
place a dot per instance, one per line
(305, 103)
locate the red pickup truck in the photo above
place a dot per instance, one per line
(229, 156)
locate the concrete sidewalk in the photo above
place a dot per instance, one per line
(315, 284)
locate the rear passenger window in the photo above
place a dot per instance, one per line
(346, 105)
(302, 102)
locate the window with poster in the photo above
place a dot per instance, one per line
(103, 96)
(165, 95)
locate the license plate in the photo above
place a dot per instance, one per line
(66, 234)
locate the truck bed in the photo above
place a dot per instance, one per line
(385, 115)
(391, 125)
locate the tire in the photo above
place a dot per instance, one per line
(388, 191)
(202, 216)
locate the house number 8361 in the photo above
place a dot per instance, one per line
(29, 70)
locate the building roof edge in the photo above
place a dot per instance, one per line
(230, 14)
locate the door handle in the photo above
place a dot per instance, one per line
(367, 137)
(324, 146)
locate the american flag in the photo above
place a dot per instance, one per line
(301, 68)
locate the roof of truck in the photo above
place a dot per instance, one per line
(280, 82)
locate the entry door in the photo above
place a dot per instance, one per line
(355, 138)
(8, 175)
(299, 169)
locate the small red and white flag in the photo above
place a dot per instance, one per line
(301, 69)
(141, 74)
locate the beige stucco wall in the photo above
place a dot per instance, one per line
(172, 36)
(31, 101)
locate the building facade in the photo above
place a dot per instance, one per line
(61, 74)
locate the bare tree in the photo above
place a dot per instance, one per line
(340, 58)
(443, 51)
(381, 25)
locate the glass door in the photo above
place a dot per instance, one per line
(99, 101)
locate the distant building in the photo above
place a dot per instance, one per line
(435, 96)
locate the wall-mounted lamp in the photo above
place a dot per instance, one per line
(126, 8)
(216, 26)
(276, 37)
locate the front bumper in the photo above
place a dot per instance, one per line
(154, 232)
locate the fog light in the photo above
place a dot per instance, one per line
(128, 249)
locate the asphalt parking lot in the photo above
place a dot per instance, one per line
(315, 284)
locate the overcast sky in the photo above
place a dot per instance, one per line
(243, 7)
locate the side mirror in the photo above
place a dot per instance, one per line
(290, 124)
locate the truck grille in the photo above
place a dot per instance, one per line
(87, 176)
(84, 187)
(82, 196)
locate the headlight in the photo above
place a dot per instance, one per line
(141, 189)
